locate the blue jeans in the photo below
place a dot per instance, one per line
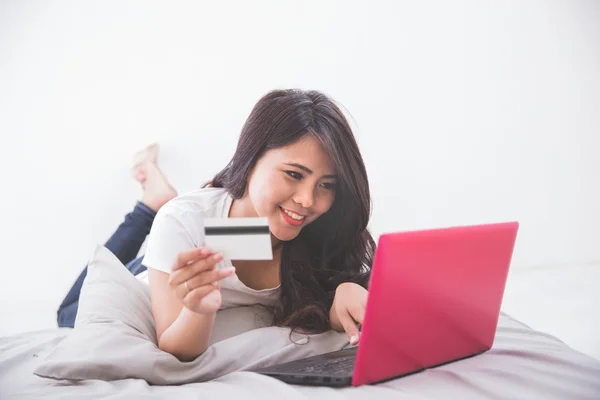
(125, 243)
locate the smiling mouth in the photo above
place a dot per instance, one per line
(293, 215)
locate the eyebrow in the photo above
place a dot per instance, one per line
(308, 170)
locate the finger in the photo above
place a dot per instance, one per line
(358, 313)
(181, 291)
(184, 274)
(209, 277)
(197, 294)
(185, 257)
(349, 327)
(207, 303)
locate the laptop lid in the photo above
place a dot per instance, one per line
(434, 297)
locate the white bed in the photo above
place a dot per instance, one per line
(523, 364)
(110, 354)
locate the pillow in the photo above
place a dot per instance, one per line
(114, 336)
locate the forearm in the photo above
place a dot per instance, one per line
(188, 336)
(348, 309)
(334, 321)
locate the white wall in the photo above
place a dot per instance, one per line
(465, 113)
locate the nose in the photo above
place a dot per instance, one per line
(304, 197)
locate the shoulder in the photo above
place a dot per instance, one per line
(201, 203)
(177, 226)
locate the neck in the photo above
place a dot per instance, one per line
(240, 208)
(276, 244)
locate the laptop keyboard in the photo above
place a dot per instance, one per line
(337, 363)
(331, 366)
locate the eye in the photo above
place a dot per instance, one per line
(328, 185)
(294, 174)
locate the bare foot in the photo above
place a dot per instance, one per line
(157, 190)
(149, 154)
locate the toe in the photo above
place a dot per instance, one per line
(150, 154)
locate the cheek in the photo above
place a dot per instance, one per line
(325, 202)
(265, 193)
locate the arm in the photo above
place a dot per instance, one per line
(348, 309)
(184, 302)
(183, 279)
(334, 320)
(180, 331)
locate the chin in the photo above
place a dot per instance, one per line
(285, 235)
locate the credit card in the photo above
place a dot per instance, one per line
(239, 238)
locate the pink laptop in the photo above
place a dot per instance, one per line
(434, 298)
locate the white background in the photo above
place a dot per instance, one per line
(466, 112)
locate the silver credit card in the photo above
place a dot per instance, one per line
(239, 238)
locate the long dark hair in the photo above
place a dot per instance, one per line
(335, 248)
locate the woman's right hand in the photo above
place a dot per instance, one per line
(195, 280)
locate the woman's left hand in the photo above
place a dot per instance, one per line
(348, 309)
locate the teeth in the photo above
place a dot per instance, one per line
(293, 215)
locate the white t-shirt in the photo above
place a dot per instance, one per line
(176, 228)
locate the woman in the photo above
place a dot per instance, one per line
(297, 164)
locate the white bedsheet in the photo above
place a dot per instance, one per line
(523, 364)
